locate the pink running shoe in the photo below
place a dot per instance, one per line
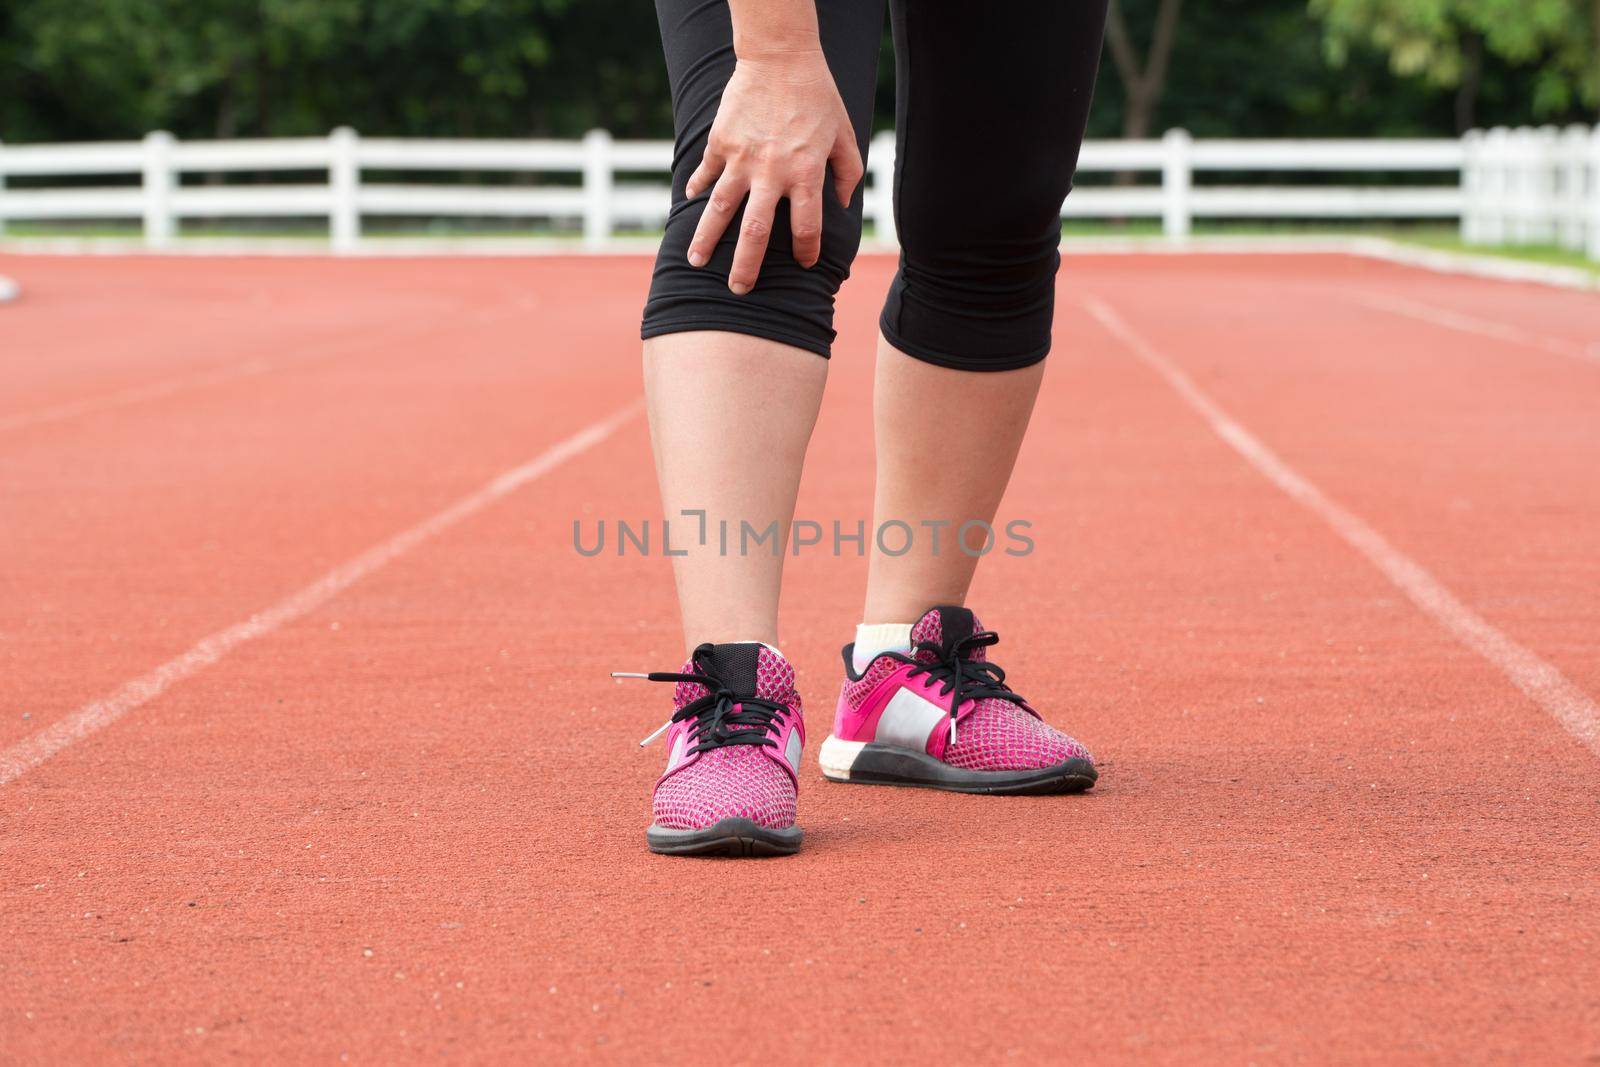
(942, 717)
(734, 743)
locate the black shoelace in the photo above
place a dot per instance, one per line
(968, 679)
(716, 724)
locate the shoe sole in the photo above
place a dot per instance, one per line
(869, 763)
(730, 837)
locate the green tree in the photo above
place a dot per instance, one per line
(223, 68)
(85, 69)
(1444, 41)
(1257, 68)
(1144, 78)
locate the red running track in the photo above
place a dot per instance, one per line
(253, 810)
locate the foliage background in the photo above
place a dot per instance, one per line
(84, 69)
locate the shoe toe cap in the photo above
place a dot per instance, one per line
(726, 783)
(999, 736)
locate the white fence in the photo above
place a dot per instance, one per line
(1502, 186)
(1533, 186)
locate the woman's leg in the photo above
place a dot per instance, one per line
(985, 158)
(734, 375)
(734, 381)
(730, 417)
(992, 105)
(946, 442)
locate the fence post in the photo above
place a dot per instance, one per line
(159, 227)
(881, 157)
(598, 181)
(344, 187)
(1593, 194)
(1176, 179)
(1544, 149)
(1570, 173)
(1525, 188)
(1494, 188)
(1513, 192)
(1471, 221)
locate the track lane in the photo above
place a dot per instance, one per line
(1545, 686)
(1475, 456)
(136, 533)
(1587, 351)
(103, 331)
(1307, 843)
(1557, 318)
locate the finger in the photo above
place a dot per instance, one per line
(754, 233)
(710, 169)
(847, 167)
(805, 222)
(719, 211)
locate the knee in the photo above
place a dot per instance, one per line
(789, 303)
(976, 285)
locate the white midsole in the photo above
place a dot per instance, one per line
(837, 757)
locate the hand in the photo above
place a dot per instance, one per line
(779, 126)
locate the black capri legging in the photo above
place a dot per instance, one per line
(991, 103)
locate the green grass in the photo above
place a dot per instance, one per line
(1549, 254)
(1424, 235)
(46, 229)
(1444, 238)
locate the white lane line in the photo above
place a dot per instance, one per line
(136, 395)
(32, 751)
(1499, 331)
(180, 383)
(1543, 684)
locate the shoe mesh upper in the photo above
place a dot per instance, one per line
(739, 781)
(997, 735)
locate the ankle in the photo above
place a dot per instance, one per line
(731, 635)
(875, 638)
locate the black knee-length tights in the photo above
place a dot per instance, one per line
(991, 103)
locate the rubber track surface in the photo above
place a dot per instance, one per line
(408, 824)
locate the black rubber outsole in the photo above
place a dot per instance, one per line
(885, 765)
(730, 837)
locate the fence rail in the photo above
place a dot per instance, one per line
(1527, 186)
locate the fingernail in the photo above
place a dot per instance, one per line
(739, 288)
(697, 259)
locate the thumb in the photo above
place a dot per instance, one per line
(848, 169)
